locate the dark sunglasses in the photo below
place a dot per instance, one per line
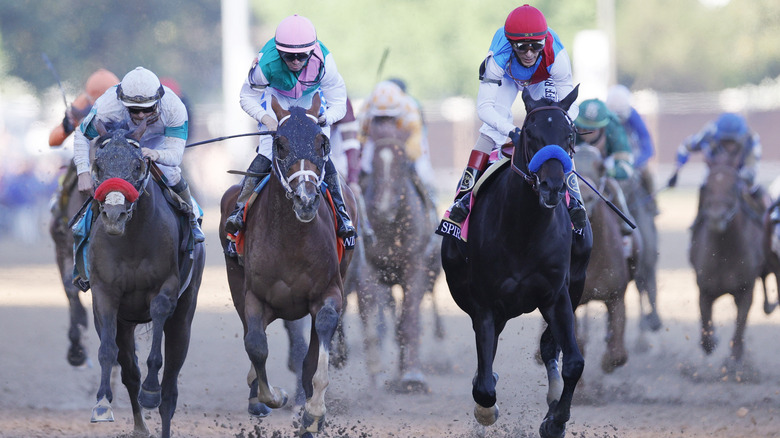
(523, 47)
(139, 109)
(290, 57)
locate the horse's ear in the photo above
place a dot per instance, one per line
(278, 110)
(316, 102)
(530, 102)
(138, 132)
(101, 128)
(566, 102)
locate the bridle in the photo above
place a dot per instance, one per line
(141, 188)
(303, 174)
(530, 177)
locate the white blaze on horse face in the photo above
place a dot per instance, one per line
(385, 201)
(115, 198)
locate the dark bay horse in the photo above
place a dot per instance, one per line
(292, 266)
(522, 255)
(68, 204)
(608, 274)
(725, 253)
(404, 253)
(143, 269)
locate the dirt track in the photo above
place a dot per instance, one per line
(669, 391)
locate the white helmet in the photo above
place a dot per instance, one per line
(140, 88)
(387, 100)
(619, 101)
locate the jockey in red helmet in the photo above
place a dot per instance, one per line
(525, 53)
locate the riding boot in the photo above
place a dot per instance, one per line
(478, 162)
(577, 213)
(183, 190)
(346, 229)
(260, 166)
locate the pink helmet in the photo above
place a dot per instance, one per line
(295, 34)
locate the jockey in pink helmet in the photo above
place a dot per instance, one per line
(292, 66)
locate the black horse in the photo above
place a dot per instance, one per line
(143, 268)
(291, 262)
(522, 255)
(68, 203)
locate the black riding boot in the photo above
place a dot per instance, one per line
(346, 229)
(183, 190)
(579, 217)
(260, 166)
(478, 162)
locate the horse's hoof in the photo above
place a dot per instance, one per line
(77, 356)
(708, 343)
(311, 423)
(102, 412)
(279, 400)
(610, 364)
(257, 409)
(651, 322)
(412, 382)
(486, 416)
(149, 399)
(551, 429)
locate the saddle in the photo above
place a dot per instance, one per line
(236, 241)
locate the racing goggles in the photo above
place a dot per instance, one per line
(290, 57)
(524, 46)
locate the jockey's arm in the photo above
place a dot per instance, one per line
(335, 92)
(486, 98)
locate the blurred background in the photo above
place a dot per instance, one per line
(684, 60)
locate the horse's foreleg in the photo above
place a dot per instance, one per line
(369, 309)
(105, 324)
(316, 381)
(160, 309)
(484, 384)
(77, 354)
(131, 373)
(256, 345)
(408, 329)
(549, 351)
(296, 355)
(560, 320)
(616, 354)
(743, 300)
(708, 338)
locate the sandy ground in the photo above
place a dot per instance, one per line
(671, 390)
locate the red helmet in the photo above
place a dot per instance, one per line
(525, 23)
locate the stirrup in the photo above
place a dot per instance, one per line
(460, 208)
(579, 218)
(197, 232)
(235, 222)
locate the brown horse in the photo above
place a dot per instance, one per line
(608, 273)
(725, 253)
(771, 245)
(143, 268)
(68, 203)
(291, 262)
(405, 253)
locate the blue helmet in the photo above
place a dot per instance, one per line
(731, 126)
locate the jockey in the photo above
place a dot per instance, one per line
(390, 103)
(601, 128)
(140, 96)
(525, 53)
(619, 102)
(97, 84)
(729, 127)
(292, 66)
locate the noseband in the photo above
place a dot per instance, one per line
(531, 177)
(304, 175)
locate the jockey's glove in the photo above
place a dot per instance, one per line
(514, 135)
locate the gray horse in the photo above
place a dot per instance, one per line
(405, 253)
(144, 267)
